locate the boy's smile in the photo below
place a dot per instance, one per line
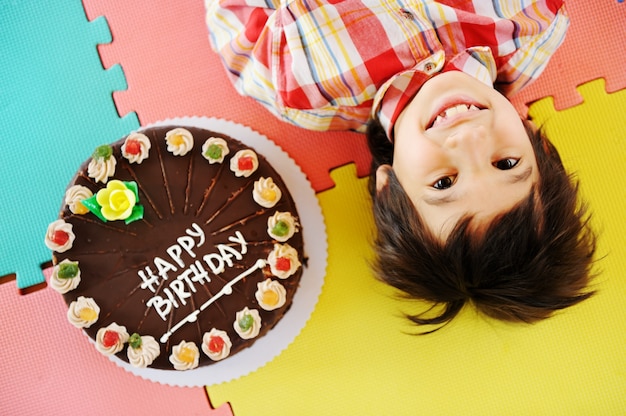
(460, 148)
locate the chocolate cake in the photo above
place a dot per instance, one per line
(176, 247)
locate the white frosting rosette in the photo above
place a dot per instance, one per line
(101, 169)
(136, 147)
(56, 236)
(65, 276)
(247, 323)
(185, 356)
(83, 312)
(74, 195)
(270, 294)
(111, 339)
(216, 344)
(282, 226)
(215, 149)
(179, 141)
(142, 350)
(244, 163)
(283, 260)
(266, 193)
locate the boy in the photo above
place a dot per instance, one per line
(471, 203)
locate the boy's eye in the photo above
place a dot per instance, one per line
(506, 164)
(444, 183)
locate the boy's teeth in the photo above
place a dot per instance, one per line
(451, 111)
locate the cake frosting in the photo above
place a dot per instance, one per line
(176, 247)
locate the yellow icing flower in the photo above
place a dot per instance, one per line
(116, 200)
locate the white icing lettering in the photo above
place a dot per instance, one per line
(162, 306)
(196, 231)
(210, 260)
(148, 281)
(228, 253)
(187, 243)
(179, 290)
(185, 276)
(175, 252)
(238, 238)
(199, 274)
(189, 276)
(163, 267)
(170, 296)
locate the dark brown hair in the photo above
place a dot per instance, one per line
(526, 264)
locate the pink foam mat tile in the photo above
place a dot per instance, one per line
(171, 71)
(588, 53)
(50, 370)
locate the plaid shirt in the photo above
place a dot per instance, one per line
(331, 65)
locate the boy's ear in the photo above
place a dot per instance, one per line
(531, 123)
(382, 176)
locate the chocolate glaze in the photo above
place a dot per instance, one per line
(177, 191)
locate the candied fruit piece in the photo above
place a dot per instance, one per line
(60, 237)
(283, 264)
(214, 151)
(110, 338)
(246, 322)
(270, 298)
(102, 152)
(186, 355)
(87, 314)
(268, 194)
(67, 270)
(135, 340)
(133, 147)
(216, 344)
(245, 163)
(177, 139)
(281, 229)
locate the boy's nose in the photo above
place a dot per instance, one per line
(469, 145)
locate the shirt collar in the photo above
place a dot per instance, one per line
(399, 90)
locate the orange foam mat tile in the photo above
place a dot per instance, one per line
(50, 369)
(593, 48)
(171, 71)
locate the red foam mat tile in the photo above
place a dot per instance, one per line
(51, 370)
(586, 55)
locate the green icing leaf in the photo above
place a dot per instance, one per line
(135, 215)
(132, 185)
(92, 205)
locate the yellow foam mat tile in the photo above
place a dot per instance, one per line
(354, 357)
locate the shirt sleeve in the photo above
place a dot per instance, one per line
(531, 58)
(312, 63)
(240, 34)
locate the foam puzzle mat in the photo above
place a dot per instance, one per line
(82, 74)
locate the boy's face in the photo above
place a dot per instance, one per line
(461, 148)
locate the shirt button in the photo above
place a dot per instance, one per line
(429, 67)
